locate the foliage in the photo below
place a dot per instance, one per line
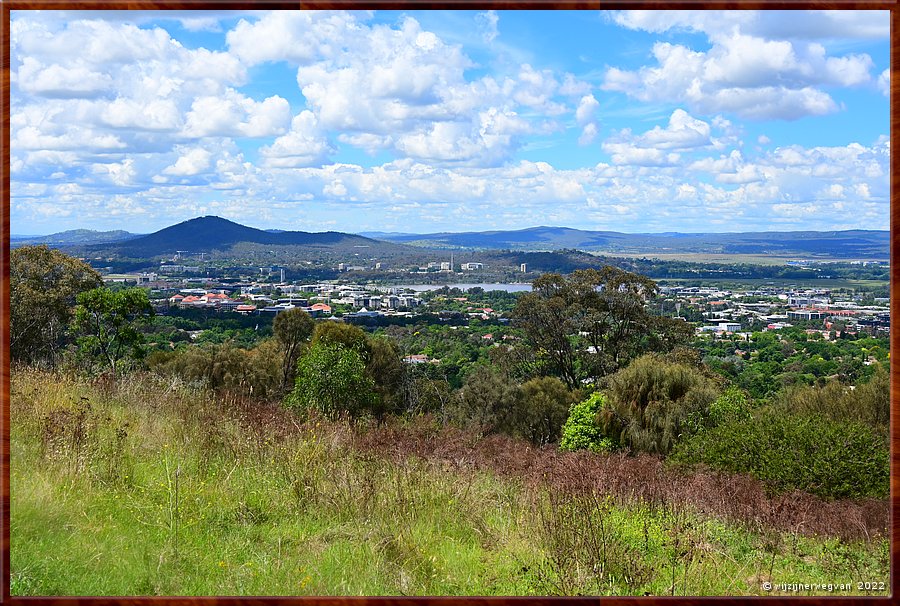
(654, 402)
(255, 372)
(293, 328)
(43, 284)
(867, 403)
(593, 322)
(332, 379)
(346, 335)
(107, 323)
(732, 404)
(543, 410)
(795, 450)
(494, 403)
(386, 370)
(181, 491)
(486, 401)
(581, 430)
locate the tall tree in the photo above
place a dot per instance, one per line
(107, 323)
(43, 287)
(593, 322)
(292, 328)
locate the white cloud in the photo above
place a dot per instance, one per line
(294, 36)
(884, 82)
(304, 145)
(61, 82)
(587, 107)
(487, 23)
(192, 162)
(744, 71)
(236, 115)
(588, 134)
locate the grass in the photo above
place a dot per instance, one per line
(147, 487)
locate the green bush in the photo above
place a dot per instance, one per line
(654, 402)
(581, 430)
(733, 404)
(492, 402)
(332, 379)
(795, 451)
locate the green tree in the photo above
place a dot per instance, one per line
(347, 335)
(293, 329)
(107, 323)
(332, 378)
(386, 370)
(593, 322)
(43, 286)
(486, 401)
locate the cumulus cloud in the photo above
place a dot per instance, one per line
(751, 69)
(304, 145)
(191, 162)
(236, 115)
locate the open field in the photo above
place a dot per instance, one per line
(152, 487)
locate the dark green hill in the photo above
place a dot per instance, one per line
(205, 234)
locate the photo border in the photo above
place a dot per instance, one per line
(10, 5)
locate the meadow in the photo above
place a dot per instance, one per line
(152, 486)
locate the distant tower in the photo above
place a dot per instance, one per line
(451, 260)
(282, 275)
(524, 267)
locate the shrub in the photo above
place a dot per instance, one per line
(795, 451)
(581, 430)
(654, 402)
(867, 403)
(543, 410)
(332, 379)
(732, 404)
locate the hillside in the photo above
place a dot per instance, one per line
(152, 487)
(206, 234)
(851, 244)
(73, 237)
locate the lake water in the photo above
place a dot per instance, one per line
(505, 287)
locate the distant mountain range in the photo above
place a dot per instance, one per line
(849, 244)
(73, 237)
(205, 234)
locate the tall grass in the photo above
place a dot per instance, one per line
(148, 486)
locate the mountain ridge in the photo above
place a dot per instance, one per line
(838, 243)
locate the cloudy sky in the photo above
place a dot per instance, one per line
(635, 121)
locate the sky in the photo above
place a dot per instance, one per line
(426, 121)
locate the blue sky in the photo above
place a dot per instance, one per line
(634, 121)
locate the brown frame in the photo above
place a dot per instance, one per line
(9, 5)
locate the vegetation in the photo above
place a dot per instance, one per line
(148, 486)
(106, 323)
(592, 323)
(455, 473)
(43, 287)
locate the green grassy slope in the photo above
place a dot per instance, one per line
(149, 487)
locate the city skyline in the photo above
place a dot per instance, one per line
(632, 121)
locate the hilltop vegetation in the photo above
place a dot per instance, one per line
(148, 486)
(583, 443)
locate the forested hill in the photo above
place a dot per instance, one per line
(214, 233)
(851, 244)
